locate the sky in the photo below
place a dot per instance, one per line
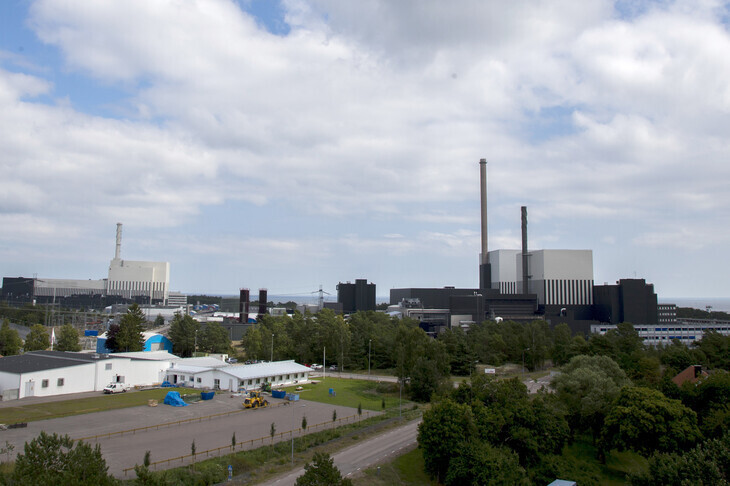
(292, 144)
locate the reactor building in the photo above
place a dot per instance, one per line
(523, 285)
(127, 281)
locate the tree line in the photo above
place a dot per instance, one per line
(619, 398)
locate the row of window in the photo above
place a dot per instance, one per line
(257, 381)
(44, 383)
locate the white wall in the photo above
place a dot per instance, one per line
(8, 381)
(76, 379)
(128, 277)
(504, 269)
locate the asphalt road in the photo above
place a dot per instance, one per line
(364, 454)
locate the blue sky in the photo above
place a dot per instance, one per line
(297, 143)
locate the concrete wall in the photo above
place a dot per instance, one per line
(128, 278)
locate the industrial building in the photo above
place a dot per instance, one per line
(555, 285)
(127, 281)
(358, 296)
(685, 330)
(47, 373)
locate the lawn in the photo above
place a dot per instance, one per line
(406, 469)
(65, 408)
(350, 393)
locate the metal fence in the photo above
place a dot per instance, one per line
(251, 442)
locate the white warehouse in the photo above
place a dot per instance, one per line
(47, 373)
(235, 377)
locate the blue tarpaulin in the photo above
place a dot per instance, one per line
(173, 398)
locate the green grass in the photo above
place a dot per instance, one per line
(406, 469)
(66, 408)
(350, 393)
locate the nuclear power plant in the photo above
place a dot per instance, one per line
(127, 281)
(523, 285)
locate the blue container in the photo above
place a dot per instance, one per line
(90, 332)
(292, 397)
(207, 395)
(278, 393)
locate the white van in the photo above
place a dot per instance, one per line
(116, 388)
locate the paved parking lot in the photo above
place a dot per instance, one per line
(127, 450)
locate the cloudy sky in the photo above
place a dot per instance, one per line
(289, 144)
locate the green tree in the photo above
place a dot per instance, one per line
(68, 339)
(708, 464)
(37, 339)
(214, 339)
(646, 421)
(588, 386)
(54, 459)
(445, 428)
(159, 321)
(322, 472)
(183, 334)
(481, 464)
(561, 344)
(10, 341)
(716, 348)
(128, 336)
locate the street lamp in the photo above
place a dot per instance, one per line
(523, 362)
(292, 431)
(369, 344)
(272, 347)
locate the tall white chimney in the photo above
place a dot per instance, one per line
(118, 252)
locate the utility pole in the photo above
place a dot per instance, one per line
(370, 342)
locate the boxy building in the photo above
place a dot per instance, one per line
(48, 373)
(359, 296)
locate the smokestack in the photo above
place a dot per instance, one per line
(243, 306)
(262, 301)
(525, 274)
(485, 269)
(118, 252)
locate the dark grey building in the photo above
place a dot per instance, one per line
(630, 300)
(359, 296)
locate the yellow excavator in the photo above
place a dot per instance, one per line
(254, 400)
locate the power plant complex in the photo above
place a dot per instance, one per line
(128, 281)
(554, 285)
(522, 285)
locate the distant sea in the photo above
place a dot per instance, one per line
(718, 304)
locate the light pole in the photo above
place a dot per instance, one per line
(370, 342)
(523, 362)
(292, 432)
(272, 347)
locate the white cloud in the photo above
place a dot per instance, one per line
(375, 114)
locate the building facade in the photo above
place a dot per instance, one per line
(359, 296)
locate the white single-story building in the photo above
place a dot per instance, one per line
(234, 377)
(47, 373)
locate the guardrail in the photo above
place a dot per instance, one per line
(170, 424)
(251, 442)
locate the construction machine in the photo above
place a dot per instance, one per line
(255, 400)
